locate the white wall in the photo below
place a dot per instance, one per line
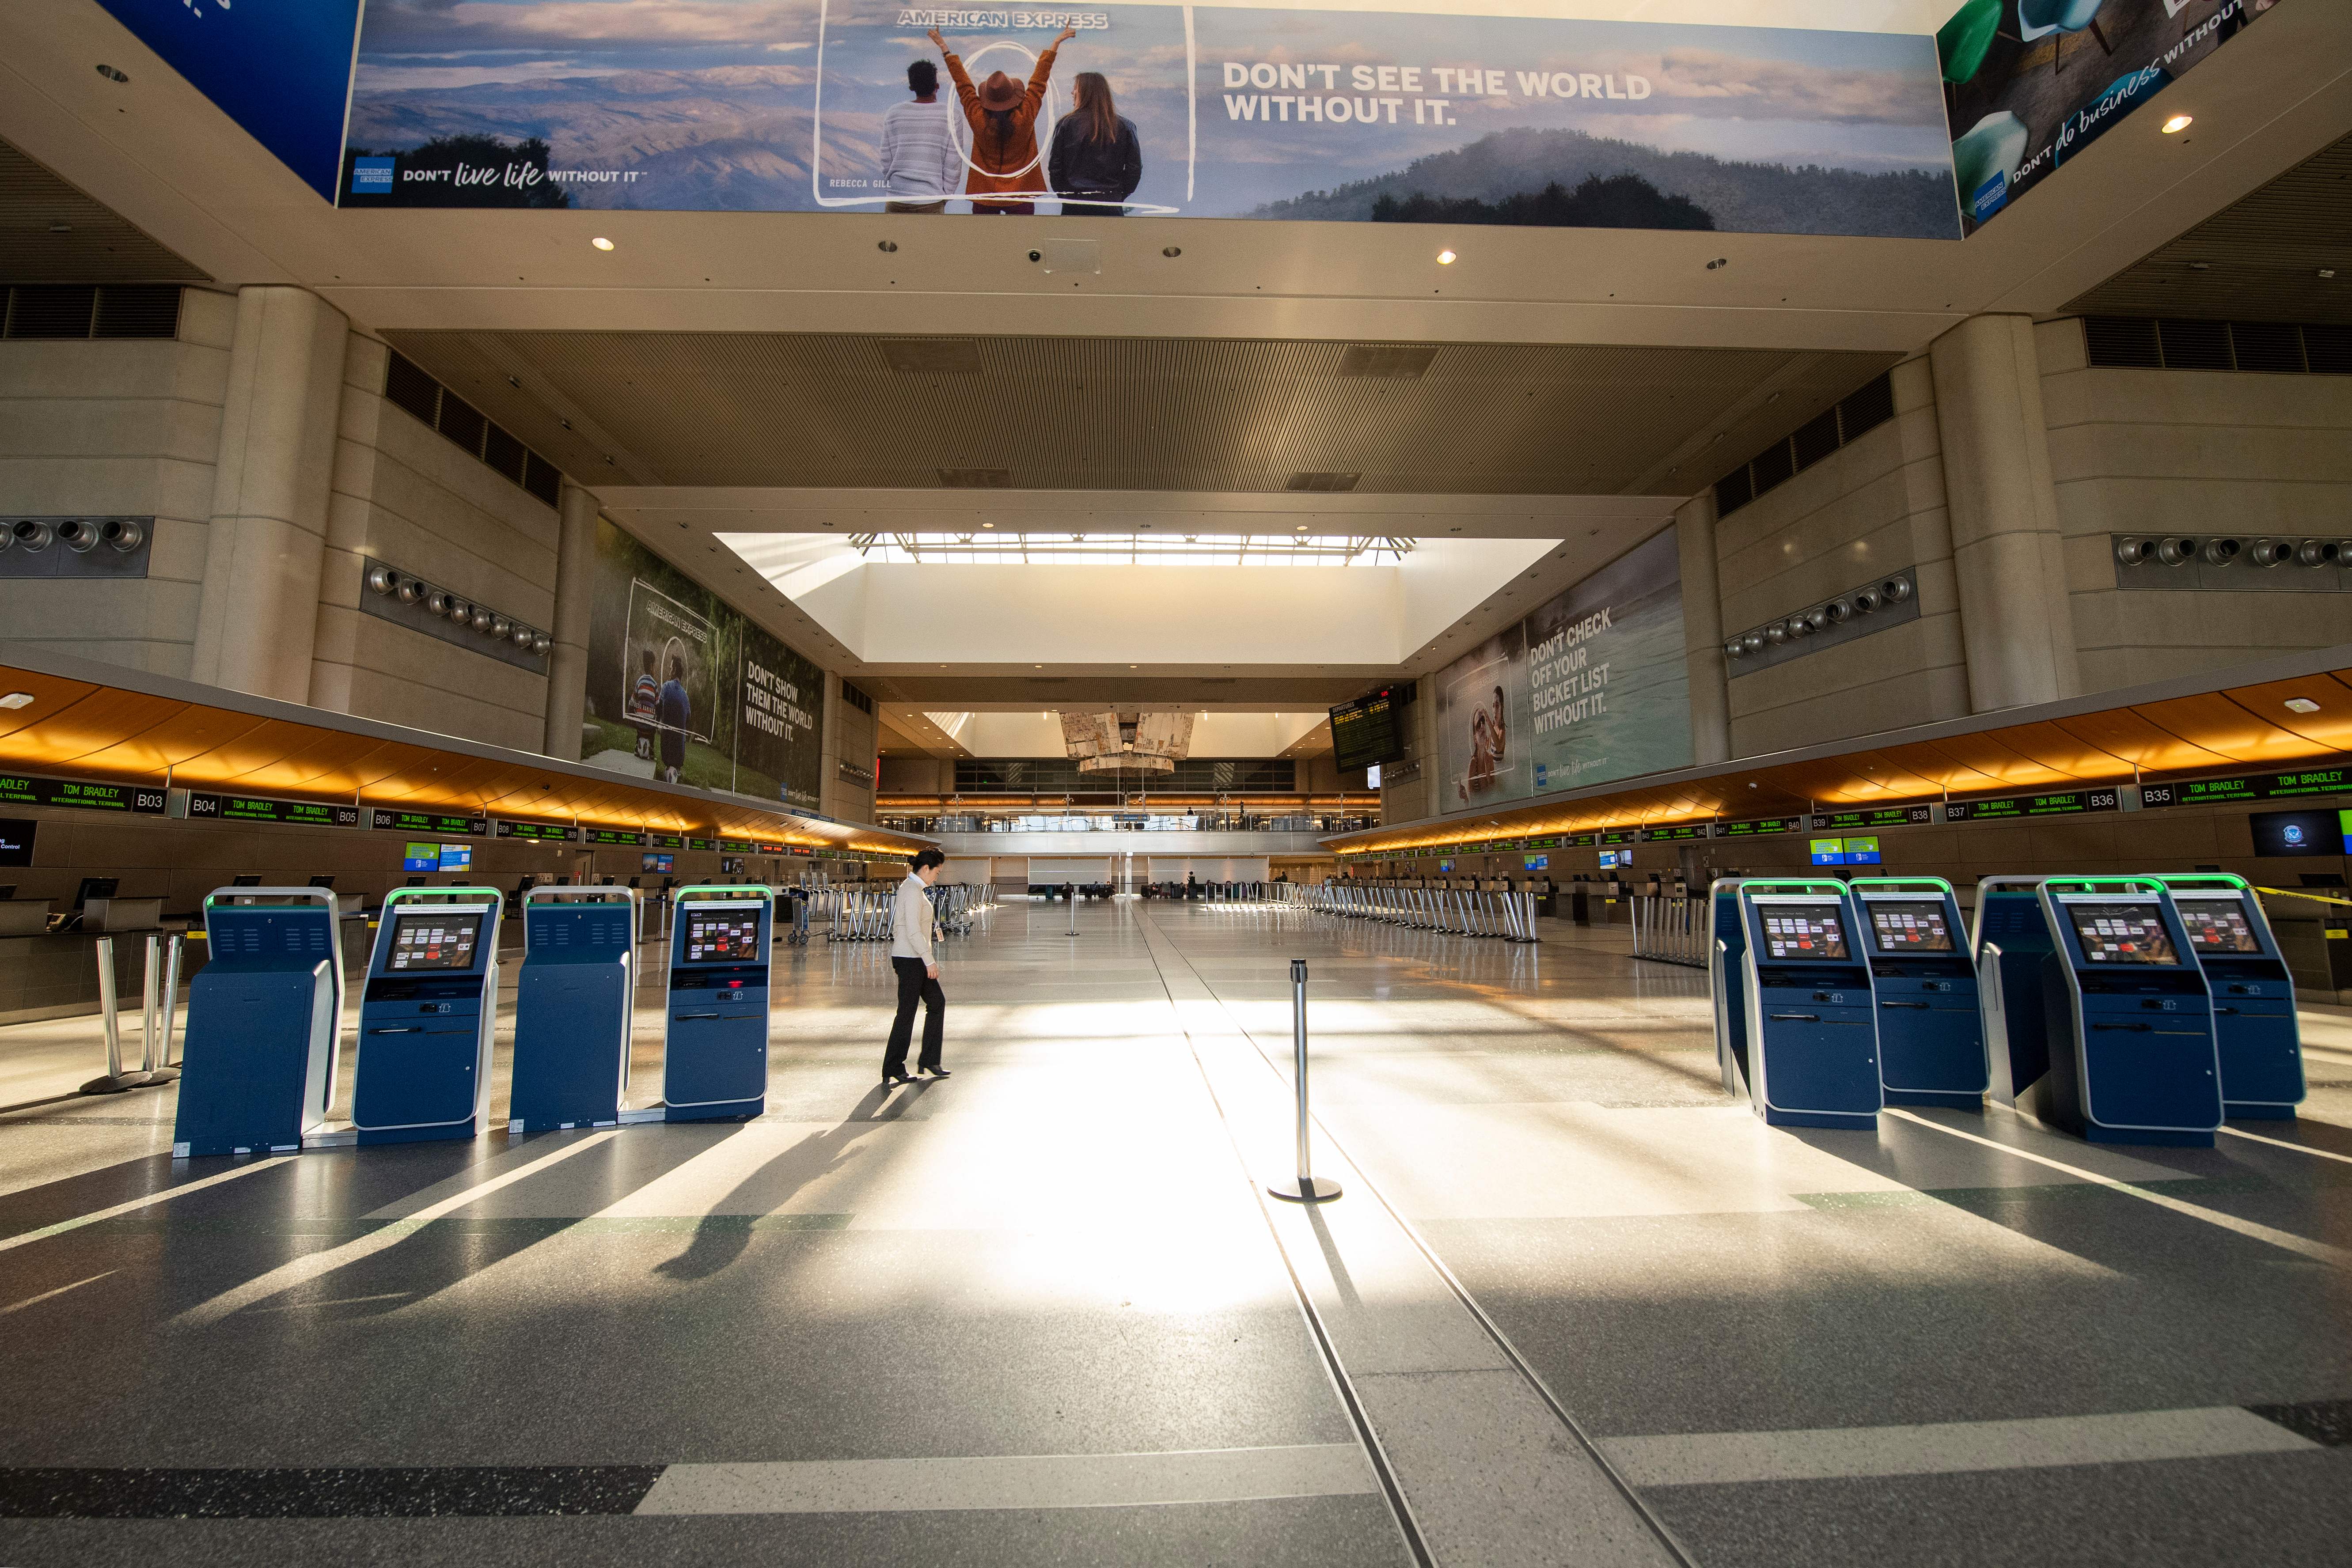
(118, 426)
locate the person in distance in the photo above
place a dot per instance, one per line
(918, 969)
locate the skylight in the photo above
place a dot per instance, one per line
(988, 548)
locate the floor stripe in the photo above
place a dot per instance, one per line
(1018, 1482)
(136, 1204)
(2282, 1143)
(1714, 1458)
(408, 1492)
(311, 1266)
(2275, 1237)
(61, 1290)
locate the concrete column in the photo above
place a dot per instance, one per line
(1710, 689)
(257, 617)
(2016, 623)
(575, 596)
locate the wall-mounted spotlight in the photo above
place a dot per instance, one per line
(78, 534)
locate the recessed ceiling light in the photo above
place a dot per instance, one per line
(601, 242)
(17, 700)
(1445, 259)
(2178, 122)
(110, 74)
(2301, 704)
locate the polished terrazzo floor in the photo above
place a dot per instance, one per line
(1575, 1306)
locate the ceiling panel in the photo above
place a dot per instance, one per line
(50, 231)
(2258, 259)
(829, 410)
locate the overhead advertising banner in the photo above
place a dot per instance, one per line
(2033, 82)
(1591, 687)
(682, 688)
(1379, 116)
(283, 71)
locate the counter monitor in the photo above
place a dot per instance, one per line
(1804, 931)
(722, 935)
(2122, 934)
(2217, 926)
(434, 939)
(1911, 926)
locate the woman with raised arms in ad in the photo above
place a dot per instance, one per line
(1004, 119)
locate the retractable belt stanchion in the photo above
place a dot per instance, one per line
(171, 997)
(2254, 1029)
(715, 1027)
(258, 1062)
(574, 1010)
(428, 1017)
(154, 1047)
(115, 1080)
(1308, 1188)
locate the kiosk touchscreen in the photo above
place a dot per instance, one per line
(1812, 1018)
(428, 1015)
(714, 1046)
(2254, 1029)
(1931, 1047)
(572, 1007)
(264, 1013)
(2126, 1016)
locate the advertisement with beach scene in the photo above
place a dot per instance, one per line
(2033, 82)
(1591, 687)
(1235, 112)
(682, 688)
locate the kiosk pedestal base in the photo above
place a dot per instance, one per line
(1935, 1097)
(2235, 1110)
(734, 1111)
(1862, 1121)
(2094, 1134)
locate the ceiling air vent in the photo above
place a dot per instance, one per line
(976, 479)
(1401, 362)
(932, 356)
(1323, 483)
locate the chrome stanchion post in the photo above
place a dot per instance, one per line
(171, 993)
(153, 1048)
(115, 1080)
(1307, 1188)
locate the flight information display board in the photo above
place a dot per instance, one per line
(612, 836)
(1759, 828)
(1677, 832)
(2251, 787)
(544, 833)
(1875, 816)
(1364, 732)
(426, 824)
(1804, 931)
(2217, 925)
(2122, 932)
(259, 809)
(2019, 806)
(1912, 925)
(722, 935)
(422, 939)
(25, 790)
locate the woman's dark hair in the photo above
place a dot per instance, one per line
(923, 76)
(1001, 121)
(1093, 107)
(922, 858)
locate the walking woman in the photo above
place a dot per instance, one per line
(1096, 162)
(1004, 118)
(918, 968)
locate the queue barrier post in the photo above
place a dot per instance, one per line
(114, 1081)
(154, 1049)
(1308, 1188)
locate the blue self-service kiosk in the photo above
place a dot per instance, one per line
(2255, 1030)
(1931, 1046)
(1810, 1018)
(426, 1016)
(1727, 957)
(2126, 1016)
(715, 1041)
(264, 1017)
(572, 1007)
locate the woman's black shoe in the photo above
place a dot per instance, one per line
(890, 1078)
(937, 1073)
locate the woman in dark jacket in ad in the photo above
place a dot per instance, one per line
(1096, 161)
